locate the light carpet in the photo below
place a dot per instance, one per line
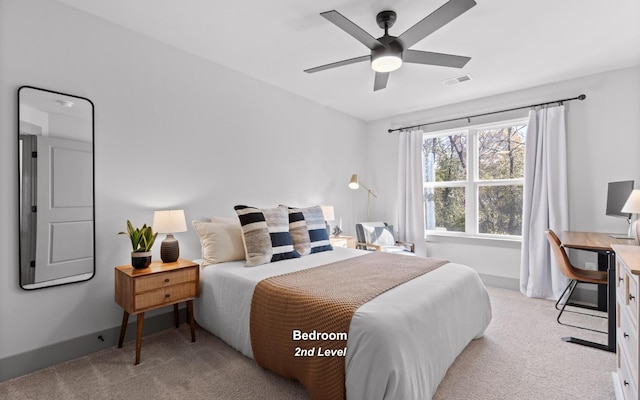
(520, 357)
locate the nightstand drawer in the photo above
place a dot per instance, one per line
(168, 295)
(165, 279)
(343, 241)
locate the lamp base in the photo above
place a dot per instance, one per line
(169, 249)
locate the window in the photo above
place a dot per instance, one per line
(473, 179)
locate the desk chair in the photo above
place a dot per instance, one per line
(576, 275)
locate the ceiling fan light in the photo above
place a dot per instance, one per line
(386, 63)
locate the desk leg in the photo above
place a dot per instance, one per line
(603, 265)
(611, 313)
(139, 337)
(123, 328)
(192, 324)
(611, 309)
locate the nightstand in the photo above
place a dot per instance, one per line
(159, 285)
(343, 241)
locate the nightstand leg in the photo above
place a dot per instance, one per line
(139, 337)
(191, 321)
(176, 315)
(123, 328)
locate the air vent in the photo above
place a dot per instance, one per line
(457, 80)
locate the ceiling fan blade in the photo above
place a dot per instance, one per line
(381, 80)
(352, 29)
(434, 21)
(430, 58)
(338, 64)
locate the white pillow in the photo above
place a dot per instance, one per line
(226, 220)
(221, 242)
(379, 235)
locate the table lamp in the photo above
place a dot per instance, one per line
(169, 222)
(329, 215)
(632, 206)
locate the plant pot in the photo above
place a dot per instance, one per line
(140, 259)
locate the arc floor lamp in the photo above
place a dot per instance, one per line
(355, 184)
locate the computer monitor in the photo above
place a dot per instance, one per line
(617, 195)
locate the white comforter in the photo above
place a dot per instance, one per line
(400, 344)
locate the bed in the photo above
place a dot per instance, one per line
(400, 344)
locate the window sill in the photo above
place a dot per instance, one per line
(442, 236)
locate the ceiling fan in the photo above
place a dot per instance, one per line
(389, 52)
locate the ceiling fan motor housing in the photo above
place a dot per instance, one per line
(391, 56)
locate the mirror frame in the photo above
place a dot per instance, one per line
(71, 278)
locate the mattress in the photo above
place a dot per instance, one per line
(400, 344)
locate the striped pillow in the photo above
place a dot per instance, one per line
(266, 234)
(318, 234)
(299, 231)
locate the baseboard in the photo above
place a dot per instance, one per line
(582, 294)
(31, 361)
(500, 282)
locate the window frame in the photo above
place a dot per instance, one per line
(473, 183)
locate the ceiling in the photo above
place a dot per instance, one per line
(512, 45)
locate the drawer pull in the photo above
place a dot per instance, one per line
(626, 335)
(621, 279)
(167, 280)
(632, 297)
(167, 295)
(626, 383)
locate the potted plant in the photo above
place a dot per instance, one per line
(141, 241)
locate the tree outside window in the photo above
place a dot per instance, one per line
(473, 179)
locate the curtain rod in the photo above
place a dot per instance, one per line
(581, 97)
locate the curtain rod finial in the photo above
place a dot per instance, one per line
(582, 97)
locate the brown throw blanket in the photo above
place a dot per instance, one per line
(300, 321)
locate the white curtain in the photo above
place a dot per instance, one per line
(545, 204)
(410, 198)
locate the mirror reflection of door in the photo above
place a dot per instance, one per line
(56, 188)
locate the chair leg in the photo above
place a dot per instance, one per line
(571, 287)
(572, 282)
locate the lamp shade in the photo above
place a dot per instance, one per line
(327, 211)
(354, 183)
(386, 63)
(633, 203)
(386, 59)
(169, 221)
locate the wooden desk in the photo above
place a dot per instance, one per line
(600, 243)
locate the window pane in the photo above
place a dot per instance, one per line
(501, 152)
(444, 208)
(445, 158)
(500, 210)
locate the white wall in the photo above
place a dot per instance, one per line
(603, 134)
(171, 131)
